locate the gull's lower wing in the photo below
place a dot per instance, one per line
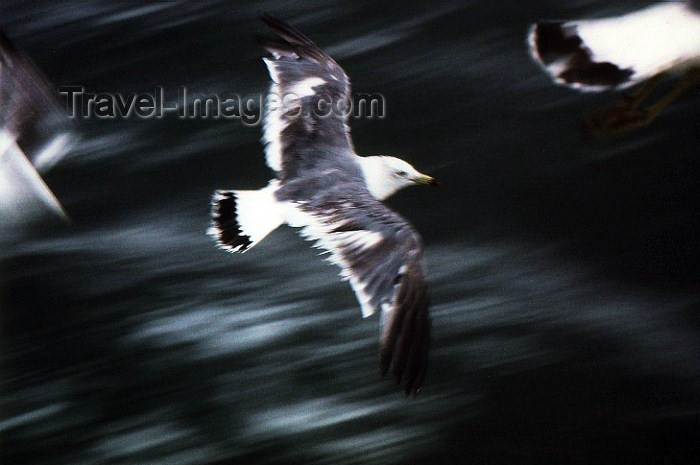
(381, 255)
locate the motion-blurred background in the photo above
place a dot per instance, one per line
(564, 272)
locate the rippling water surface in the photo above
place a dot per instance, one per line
(563, 271)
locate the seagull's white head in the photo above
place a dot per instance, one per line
(386, 175)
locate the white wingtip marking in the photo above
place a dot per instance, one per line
(305, 87)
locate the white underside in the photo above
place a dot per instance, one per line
(659, 38)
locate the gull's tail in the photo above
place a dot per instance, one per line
(618, 51)
(241, 219)
(570, 61)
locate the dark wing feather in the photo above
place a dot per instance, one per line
(406, 331)
(380, 254)
(306, 118)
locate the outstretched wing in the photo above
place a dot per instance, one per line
(34, 135)
(306, 109)
(30, 109)
(380, 254)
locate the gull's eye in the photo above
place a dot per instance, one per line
(403, 174)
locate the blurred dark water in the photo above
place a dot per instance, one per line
(563, 272)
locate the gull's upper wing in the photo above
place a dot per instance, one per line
(306, 110)
(380, 254)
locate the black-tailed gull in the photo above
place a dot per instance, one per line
(335, 196)
(618, 52)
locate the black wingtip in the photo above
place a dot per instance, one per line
(406, 336)
(284, 29)
(293, 39)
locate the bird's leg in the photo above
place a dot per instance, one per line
(626, 115)
(690, 78)
(606, 119)
(635, 99)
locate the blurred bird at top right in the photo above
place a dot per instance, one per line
(619, 52)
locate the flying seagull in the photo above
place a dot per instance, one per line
(620, 52)
(34, 136)
(334, 195)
